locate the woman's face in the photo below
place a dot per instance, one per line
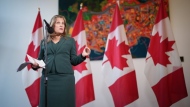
(59, 25)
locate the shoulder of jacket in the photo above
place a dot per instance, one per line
(69, 38)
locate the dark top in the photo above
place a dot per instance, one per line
(60, 56)
(61, 83)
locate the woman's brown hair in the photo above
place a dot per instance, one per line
(52, 24)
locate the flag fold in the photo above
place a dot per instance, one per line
(83, 74)
(117, 67)
(163, 68)
(30, 77)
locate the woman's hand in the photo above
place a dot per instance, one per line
(86, 52)
(35, 65)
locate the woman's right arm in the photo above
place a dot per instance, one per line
(35, 66)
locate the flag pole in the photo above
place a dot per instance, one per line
(118, 2)
(45, 34)
(81, 5)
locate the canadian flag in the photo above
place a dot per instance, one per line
(31, 78)
(83, 74)
(163, 68)
(118, 69)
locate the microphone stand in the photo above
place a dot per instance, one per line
(45, 75)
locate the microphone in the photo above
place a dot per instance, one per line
(48, 28)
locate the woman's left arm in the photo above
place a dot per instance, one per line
(86, 52)
(77, 59)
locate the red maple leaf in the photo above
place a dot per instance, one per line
(32, 52)
(81, 66)
(158, 49)
(114, 53)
